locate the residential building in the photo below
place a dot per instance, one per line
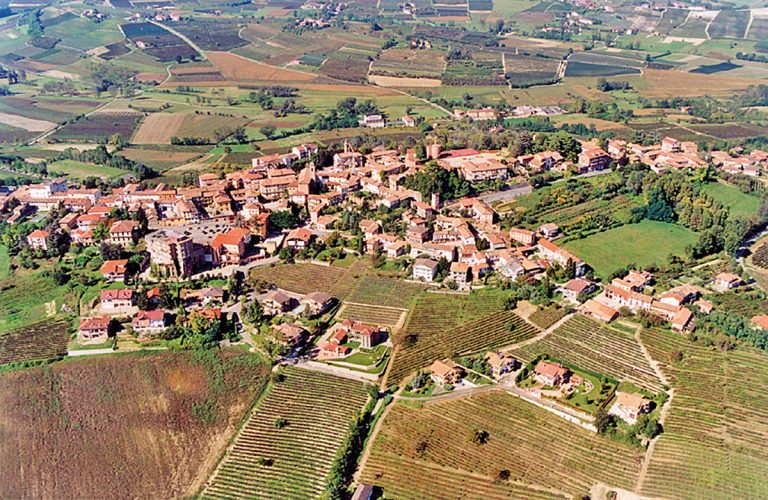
(726, 281)
(276, 302)
(299, 238)
(500, 363)
(230, 248)
(114, 270)
(574, 288)
(601, 312)
(149, 322)
(445, 371)
(551, 374)
(554, 253)
(171, 254)
(123, 232)
(316, 303)
(290, 334)
(523, 236)
(38, 239)
(593, 159)
(460, 273)
(116, 300)
(93, 330)
(629, 406)
(549, 230)
(425, 270)
(682, 321)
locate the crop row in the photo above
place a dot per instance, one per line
(384, 291)
(584, 343)
(544, 317)
(371, 315)
(534, 446)
(44, 340)
(288, 445)
(500, 329)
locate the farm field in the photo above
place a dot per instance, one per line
(384, 291)
(291, 461)
(45, 340)
(712, 445)
(478, 329)
(159, 128)
(589, 345)
(26, 297)
(544, 317)
(161, 419)
(730, 24)
(552, 457)
(409, 63)
(731, 197)
(77, 170)
(305, 278)
(99, 126)
(641, 244)
(372, 315)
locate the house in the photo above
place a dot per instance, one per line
(204, 296)
(149, 322)
(704, 306)
(364, 491)
(38, 239)
(276, 302)
(523, 236)
(595, 309)
(113, 300)
(94, 330)
(367, 335)
(425, 270)
(460, 273)
(114, 270)
(500, 363)
(593, 159)
(562, 257)
(759, 322)
(631, 299)
(123, 232)
(682, 321)
(726, 281)
(316, 303)
(230, 248)
(629, 406)
(634, 281)
(290, 334)
(575, 288)
(372, 121)
(549, 230)
(299, 238)
(445, 372)
(551, 374)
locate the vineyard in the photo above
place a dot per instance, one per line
(743, 302)
(715, 436)
(431, 447)
(45, 340)
(419, 347)
(544, 317)
(372, 315)
(292, 458)
(382, 291)
(760, 257)
(306, 278)
(584, 343)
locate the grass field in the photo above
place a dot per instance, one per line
(77, 170)
(738, 202)
(26, 297)
(714, 442)
(641, 244)
(158, 421)
(427, 452)
(291, 461)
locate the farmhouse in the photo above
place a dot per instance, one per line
(551, 374)
(593, 159)
(445, 371)
(114, 270)
(576, 287)
(629, 406)
(634, 281)
(552, 252)
(94, 330)
(299, 238)
(759, 322)
(682, 321)
(726, 281)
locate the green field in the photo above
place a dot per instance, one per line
(738, 202)
(642, 244)
(80, 170)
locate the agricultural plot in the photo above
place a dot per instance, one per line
(77, 170)
(214, 34)
(671, 19)
(46, 340)
(384, 291)
(569, 218)
(28, 297)
(409, 63)
(586, 344)
(159, 128)
(695, 25)
(419, 349)
(485, 68)
(523, 71)
(46, 109)
(157, 41)
(371, 315)
(589, 69)
(305, 278)
(346, 65)
(730, 24)
(713, 444)
(737, 202)
(291, 460)
(710, 69)
(759, 28)
(731, 130)
(100, 126)
(760, 256)
(431, 447)
(544, 317)
(642, 244)
(165, 417)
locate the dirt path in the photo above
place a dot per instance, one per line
(371, 439)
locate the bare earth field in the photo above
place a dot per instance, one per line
(122, 426)
(28, 124)
(158, 128)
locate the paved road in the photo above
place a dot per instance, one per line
(507, 194)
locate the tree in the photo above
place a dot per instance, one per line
(267, 131)
(603, 421)
(479, 437)
(283, 219)
(253, 313)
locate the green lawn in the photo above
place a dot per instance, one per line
(80, 170)
(641, 244)
(738, 202)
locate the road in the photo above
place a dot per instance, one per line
(507, 194)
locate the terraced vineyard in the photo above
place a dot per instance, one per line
(760, 257)
(44, 340)
(372, 315)
(715, 440)
(585, 343)
(291, 461)
(431, 447)
(544, 317)
(305, 278)
(744, 302)
(384, 291)
(498, 328)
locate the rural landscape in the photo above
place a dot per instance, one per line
(384, 249)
